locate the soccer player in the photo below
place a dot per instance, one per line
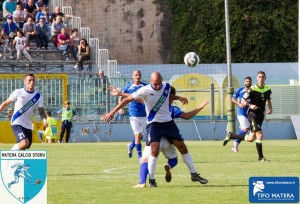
(21, 171)
(26, 101)
(156, 96)
(259, 95)
(168, 149)
(136, 111)
(241, 110)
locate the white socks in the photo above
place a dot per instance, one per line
(15, 147)
(152, 166)
(189, 162)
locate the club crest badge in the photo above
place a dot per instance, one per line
(23, 177)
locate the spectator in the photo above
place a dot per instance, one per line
(84, 54)
(67, 114)
(39, 5)
(42, 35)
(21, 2)
(58, 12)
(29, 30)
(4, 43)
(8, 34)
(63, 43)
(30, 9)
(56, 29)
(20, 45)
(8, 6)
(46, 2)
(19, 16)
(101, 84)
(75, 39)
(2, 40)
(50, 122)
(43, 14)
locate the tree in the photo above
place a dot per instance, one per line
(261, 30)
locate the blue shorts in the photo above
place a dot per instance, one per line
(155, 131)
(22, 133)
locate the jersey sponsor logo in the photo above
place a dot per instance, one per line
(26, 107)
(159, 103)
(23, 176)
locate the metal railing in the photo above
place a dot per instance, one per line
(100, 57)
(90, 98)
(76, 23)
(103, 60)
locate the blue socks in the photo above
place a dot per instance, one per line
(242, 132)
(139, 149)
(143, 173)
(173, 162)
(132, 144)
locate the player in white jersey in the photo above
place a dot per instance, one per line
(156, 97)
(26, 101)
(168, 149)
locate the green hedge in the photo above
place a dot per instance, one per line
(261, 30)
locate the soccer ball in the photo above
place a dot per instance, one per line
(191, 59)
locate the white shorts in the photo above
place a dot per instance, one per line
(244, 122)
(138, 124)
(19, 47)
(168, 149)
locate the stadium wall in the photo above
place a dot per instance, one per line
(133, 31)
(7, 135)
(121, 132)
(191, 130)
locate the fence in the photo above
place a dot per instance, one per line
(89, 98)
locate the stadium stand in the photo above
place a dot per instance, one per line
(52, 61)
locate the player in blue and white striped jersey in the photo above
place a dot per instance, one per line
(26, 100)
(168, 149)
(156, 96)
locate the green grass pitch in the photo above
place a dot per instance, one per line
(102, 172)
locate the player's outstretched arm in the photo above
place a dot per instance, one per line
(4, 104)
(182, 99)
(109, 116)
(194, 112)
(115, 92)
